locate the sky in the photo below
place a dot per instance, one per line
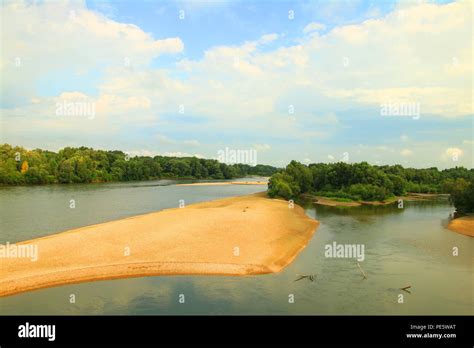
(387, 82)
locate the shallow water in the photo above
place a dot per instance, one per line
(408, 246)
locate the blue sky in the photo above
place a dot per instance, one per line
(227, 74)
(214, 23)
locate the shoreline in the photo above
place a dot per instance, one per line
(200, 239)
(131, 181)
(327, 201)
(462, 225)
(211, 183)
(331, 202)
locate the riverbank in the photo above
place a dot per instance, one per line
(233, 236)
(225, 183)
(335, 202)
(463, 225)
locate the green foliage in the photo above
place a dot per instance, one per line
(86, 165)
(461, 194)
(339, 194)
(368, 192)
(399, 184)
(362, 181)
(339, 199)
(279, 187)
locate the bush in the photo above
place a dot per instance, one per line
(461, 194)
(368, 192)
(278, 187)
(338, 194)
(399, 184)
(421, 188)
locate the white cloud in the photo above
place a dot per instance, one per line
(376, 50)
(141, 152)
(67, 37)
(181, 154)
(163, 139)
(313, 26)
(267, 38)
(452, 153)
(406, 152)
(191, 143)
(262, 147)
(398, 58)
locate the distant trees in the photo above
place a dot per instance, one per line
(368, 192)
(283, 185)
(356, 181)
(85, 165)
(461, 193)
(362, 181)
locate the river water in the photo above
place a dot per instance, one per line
(408, 246)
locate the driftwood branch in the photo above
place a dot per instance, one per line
(405, 288)
(361, 271)
(311, 277)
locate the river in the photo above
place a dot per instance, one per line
(408, 246)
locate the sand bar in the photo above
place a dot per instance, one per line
(334, 203)
(198, 239)
(463, 225)
(225, 183)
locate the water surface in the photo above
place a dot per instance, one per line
(408, 246)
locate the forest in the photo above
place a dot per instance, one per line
(19, 166)
(364, 182)
(340, 181)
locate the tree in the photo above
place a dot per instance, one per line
(66, 172)
(278, 187)
(24, 167)
(399, 184)
(9, 174)
(461, 194)
(36, 176)
(300, 175)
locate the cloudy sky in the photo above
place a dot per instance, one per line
(304, 80)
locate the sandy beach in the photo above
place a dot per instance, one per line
(226, 183)
(328, 201)
(233, 236)
(463, 225)
(334, 203)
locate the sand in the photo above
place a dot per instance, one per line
(226, 183)
(234, 236)
(463, 225)
(328, 201)
(333, 203)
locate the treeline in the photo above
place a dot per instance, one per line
(362, 181)
(19, 166)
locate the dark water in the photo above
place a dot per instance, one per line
(408, 246)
